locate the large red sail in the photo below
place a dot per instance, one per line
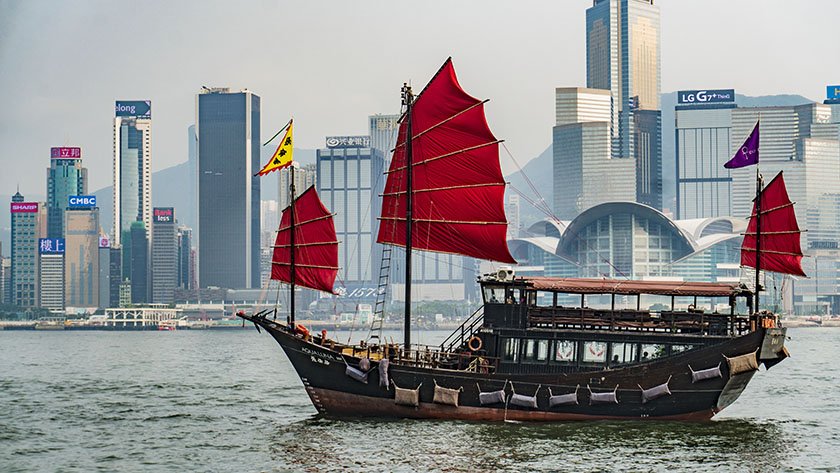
(458, 187)
(781, 251)
(316, 246)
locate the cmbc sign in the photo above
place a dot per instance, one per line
(81, 201)
(693, 97)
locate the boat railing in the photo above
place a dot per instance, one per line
(463, 333)
(425, 356)
(695, 322)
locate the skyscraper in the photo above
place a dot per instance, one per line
(585, 173)
(348, 171)
(51, 273)
(623, 56)
(228, 128)
(305, 177)
(81, 257)
(105, 274)
(135, 261)
(703, 145)
(26, 230)
(164, 255)
(132, 166)
(65, 177)
(186, 261)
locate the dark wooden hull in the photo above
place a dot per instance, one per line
(333, 393)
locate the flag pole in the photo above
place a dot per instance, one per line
(281, 131)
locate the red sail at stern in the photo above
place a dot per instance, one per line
(781, 251)
(458, 187)
(316, 246)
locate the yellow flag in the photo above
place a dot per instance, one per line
(282, 156)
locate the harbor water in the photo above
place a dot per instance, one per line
(222, 401)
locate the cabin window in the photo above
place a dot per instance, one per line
(529, 351)
(494, 295)
(594, 352)
(565, 351)
(511, 349)
(542, 350)
(680, 348)
(651, 351)
(623, 353)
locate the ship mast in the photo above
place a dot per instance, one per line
(757, 237)
(407, 101)
(292, 245)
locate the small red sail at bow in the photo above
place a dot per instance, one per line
(316, 245)
(781, 251)
(458, 187)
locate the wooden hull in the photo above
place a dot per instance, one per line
(333, 393)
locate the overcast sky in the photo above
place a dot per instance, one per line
(333, 63)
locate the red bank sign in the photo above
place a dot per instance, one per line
(65, 153)
(24, 207)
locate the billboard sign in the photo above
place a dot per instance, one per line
(104, 242)
(24, 207)
(81, 201)
(163, 214)
(832, 92)
(348, 142)
(64, 152)
(133, 108)
(694, 97)
(51, 246)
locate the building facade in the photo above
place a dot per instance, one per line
(132, 166)
(104, 276)
(81, 265)
(186, 259)
(349, 183)
(703, 144)
(164, 255)
(136, 263)
(27, 227)
(623, 57)
(51, 273)
(65, 177)
(585, 173)
(228, 130)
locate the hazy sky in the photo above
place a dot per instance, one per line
(333, 63)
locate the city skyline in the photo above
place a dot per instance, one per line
(40, 114)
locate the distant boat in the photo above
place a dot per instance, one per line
(528, 354)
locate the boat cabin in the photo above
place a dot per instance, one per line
(528, 325)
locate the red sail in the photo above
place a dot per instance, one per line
(316, 246)
(458, 187)
(780, 247)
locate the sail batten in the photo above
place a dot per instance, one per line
(780, 247)
(457, 182)
(315, 247)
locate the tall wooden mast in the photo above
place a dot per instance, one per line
(292, 247)
(757, 237)
(407, 101)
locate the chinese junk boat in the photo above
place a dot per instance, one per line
(527, 354)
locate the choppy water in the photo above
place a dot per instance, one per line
(229, 401)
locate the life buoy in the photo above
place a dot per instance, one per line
(474, 343)
(300, 329)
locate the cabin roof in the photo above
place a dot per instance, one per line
(629, 287)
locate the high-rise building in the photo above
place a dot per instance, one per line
(135, 262)
(164, 255)
(115, 278)
(81, 263)
(26, 230)
(6, 266)
(186, 260)
(51, 272)
(104, 276)
(228, 128)
(65, 177)
(132, 166)
(703, 144)
(305, 177)
(348, 170)
(512, 214)
(585, 173)
(623, 56)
